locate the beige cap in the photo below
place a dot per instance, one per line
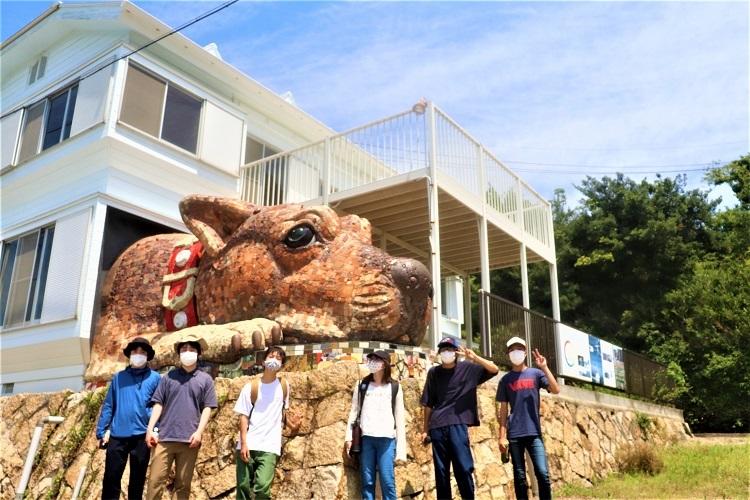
(203, 346)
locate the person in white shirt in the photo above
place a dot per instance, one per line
(261, 407)
(378, 409)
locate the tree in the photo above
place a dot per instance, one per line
(629, 245)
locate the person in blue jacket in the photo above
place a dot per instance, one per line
(123, 421)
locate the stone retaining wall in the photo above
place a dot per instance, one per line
(582, 437)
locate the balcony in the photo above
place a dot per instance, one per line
(430, 190)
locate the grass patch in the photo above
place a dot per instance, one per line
(692, 471)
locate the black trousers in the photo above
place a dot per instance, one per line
(118, 450)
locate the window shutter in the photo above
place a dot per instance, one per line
(66, 267)
(9, 127)
(91, 101)
(222, 139)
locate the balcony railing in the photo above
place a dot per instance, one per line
(394, 146)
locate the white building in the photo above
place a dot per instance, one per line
(99, 144)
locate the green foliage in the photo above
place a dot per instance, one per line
(737, 175)
(645, 424)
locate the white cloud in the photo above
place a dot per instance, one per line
(580, 83)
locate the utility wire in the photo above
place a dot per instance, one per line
(583, 165)
(152, 42)
(589, 172)
(633, 148)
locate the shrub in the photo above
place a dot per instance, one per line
(640, 457)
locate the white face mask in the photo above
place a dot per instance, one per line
(517, 356)
(272, 364)
(375, 366)
(448, 357)
(137, 360)
(188, 358)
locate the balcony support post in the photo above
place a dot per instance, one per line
(484, 262)
(467, 312)
(525, 297)
(434, 228)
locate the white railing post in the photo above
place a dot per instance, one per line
(326, 170)
(434, 215)
(519, 208)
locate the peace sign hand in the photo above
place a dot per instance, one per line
(539, 360)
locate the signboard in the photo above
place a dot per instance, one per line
(574, 355)
(595, 352)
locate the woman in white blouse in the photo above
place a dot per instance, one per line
(381, 418)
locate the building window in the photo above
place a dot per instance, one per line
(8, 389)
(37, 70)
(161, 109)
(47, 122)
(60, 117)
(23, 276)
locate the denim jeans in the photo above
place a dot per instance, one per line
(535, 446)
(378, 455)
(450, 445)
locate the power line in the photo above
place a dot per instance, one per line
(623, 167)
(632, 148)
(604, 172)
(152, 42)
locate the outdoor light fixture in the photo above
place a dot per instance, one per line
(420, 106)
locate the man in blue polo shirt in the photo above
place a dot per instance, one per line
(523, 430)
(182, 406)
(449, 399)
(122, 424)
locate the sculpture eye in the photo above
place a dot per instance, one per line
(300, 236)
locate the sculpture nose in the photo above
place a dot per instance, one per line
(412, 278)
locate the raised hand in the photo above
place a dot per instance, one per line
(539, 360)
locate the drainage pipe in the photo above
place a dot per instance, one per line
(79, 482)
(21, 489)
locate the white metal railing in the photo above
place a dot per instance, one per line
(390, 147)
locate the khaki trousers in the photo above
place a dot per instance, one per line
(183, 457)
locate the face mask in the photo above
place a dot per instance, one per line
(272, 364)
(448, 357)
(517, 357)
(375, 366)
(188, 358)
(137, 360)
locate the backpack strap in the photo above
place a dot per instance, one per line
(363, 385)
(394, 392)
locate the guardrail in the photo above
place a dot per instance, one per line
(393, 146)
(501, 319)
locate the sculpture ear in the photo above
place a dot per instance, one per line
(213, 220)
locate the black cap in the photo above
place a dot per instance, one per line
(139, 342)
(382, 355)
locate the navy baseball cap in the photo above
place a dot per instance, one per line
(448, 342)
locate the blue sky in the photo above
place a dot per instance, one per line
(557, 90)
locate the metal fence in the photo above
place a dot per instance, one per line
(501, 319)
